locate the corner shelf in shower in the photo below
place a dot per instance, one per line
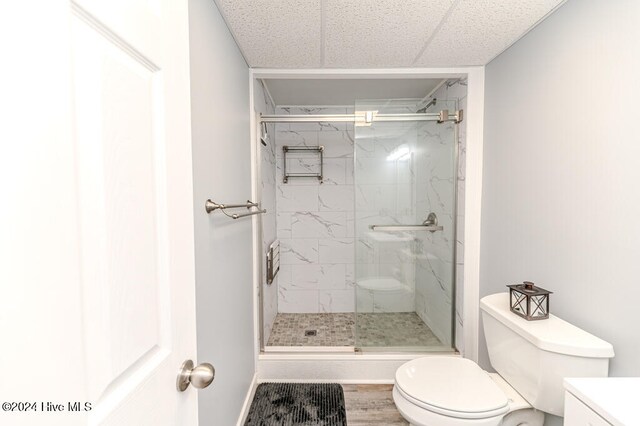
(319, 150)
(382, 284)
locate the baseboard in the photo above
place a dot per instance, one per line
(247, 401)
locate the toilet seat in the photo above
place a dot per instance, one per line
(451, 386)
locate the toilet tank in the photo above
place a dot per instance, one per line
(535, 356)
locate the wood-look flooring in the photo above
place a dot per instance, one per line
(371, 405)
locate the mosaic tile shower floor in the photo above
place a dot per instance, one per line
(338, 329)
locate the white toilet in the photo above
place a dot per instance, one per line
(531, 358)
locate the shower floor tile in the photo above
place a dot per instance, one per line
(331, 330)
(394, 329)
(376, 329)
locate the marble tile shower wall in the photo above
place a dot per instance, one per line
(385, 194)
(434, 271)
(268, 198)
(434, 261)
(315, 220)
(458, 91)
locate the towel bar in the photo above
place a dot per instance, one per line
(211, 206)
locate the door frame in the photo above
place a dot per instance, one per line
(473, 180)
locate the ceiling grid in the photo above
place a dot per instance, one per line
(323, 21)
(378, 34)
(442, 21)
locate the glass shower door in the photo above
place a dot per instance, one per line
(404, 174)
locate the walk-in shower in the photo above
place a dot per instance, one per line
(363, 212)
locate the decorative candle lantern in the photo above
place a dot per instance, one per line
(529, 301)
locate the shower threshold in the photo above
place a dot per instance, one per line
(310, 349)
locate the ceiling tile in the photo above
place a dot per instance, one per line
(382, 33)
(278, 34)
(478, 30)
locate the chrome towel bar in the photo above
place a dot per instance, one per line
(211, 206)
(238, 216)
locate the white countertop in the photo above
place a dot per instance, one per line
(616, 399)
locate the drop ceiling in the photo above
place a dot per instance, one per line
(380, 33)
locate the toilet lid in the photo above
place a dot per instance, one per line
(452, 386)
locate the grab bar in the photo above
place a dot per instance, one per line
(211, 206)
(430, 224)
(397, 228)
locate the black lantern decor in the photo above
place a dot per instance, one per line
(529, 301)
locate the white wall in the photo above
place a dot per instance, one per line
(222, 171)
(561, 204)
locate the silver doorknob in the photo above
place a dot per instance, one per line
(200, 377)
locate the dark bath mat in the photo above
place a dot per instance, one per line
(298, 404)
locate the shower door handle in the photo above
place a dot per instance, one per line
(430, 224)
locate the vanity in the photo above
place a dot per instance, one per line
(602, 401)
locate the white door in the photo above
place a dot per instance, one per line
(96, 213)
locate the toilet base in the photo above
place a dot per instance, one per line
(526, 417)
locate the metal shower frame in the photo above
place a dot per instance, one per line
(366, 118)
